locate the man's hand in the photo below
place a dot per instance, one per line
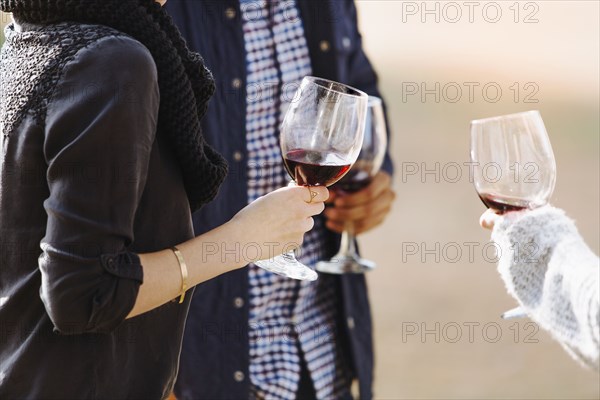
(365, 209)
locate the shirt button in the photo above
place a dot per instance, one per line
(236, 83)
(324, 46)
(238, 156)
(238, 302)
(238, 376)
(230, 13)
(350, 322)
(346, 42)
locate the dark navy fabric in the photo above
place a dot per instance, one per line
(215, 356)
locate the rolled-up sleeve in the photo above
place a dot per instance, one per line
(100, 130)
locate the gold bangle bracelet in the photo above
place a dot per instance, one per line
(184, 272)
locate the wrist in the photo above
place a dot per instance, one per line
(235, 248)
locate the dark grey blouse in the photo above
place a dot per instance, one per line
(85, 185)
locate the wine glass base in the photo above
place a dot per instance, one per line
(345, 265)
(289, 267)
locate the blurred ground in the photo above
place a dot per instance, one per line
(476, 355)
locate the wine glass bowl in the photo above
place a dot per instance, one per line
(372, 152)
(322, 132)
(321, 137)
(367, 165)
(512, 160)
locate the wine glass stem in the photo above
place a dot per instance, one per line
(348, 244)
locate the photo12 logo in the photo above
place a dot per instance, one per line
(455, 172)
(468, 331)
(453, 12)
(468, 252)
(455, 92)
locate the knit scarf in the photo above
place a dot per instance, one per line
(185, 84)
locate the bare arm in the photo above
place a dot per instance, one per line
(261, 230)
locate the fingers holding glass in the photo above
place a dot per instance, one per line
(321, 137)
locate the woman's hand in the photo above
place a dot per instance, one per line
(269, 226)
(276, 223)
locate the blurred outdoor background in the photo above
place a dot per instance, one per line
(551, 65)
(437, 311)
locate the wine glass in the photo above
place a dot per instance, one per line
(360, 175)
(321, 137)
(513, 165)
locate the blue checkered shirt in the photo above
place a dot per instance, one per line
(289, 319)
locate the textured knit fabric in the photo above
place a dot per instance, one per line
(185, 83)
(289, 319)
(554, 275)
(86, 184)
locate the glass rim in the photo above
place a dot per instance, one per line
(319, 82)
(507, 116)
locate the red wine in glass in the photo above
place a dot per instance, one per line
(503, 204)
(315, 168)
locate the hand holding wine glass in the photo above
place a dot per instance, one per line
(513, 164)
(321, 136)
(261, 224)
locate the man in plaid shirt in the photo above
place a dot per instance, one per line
(250, 333)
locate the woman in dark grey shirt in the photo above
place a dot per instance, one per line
(103, 161)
